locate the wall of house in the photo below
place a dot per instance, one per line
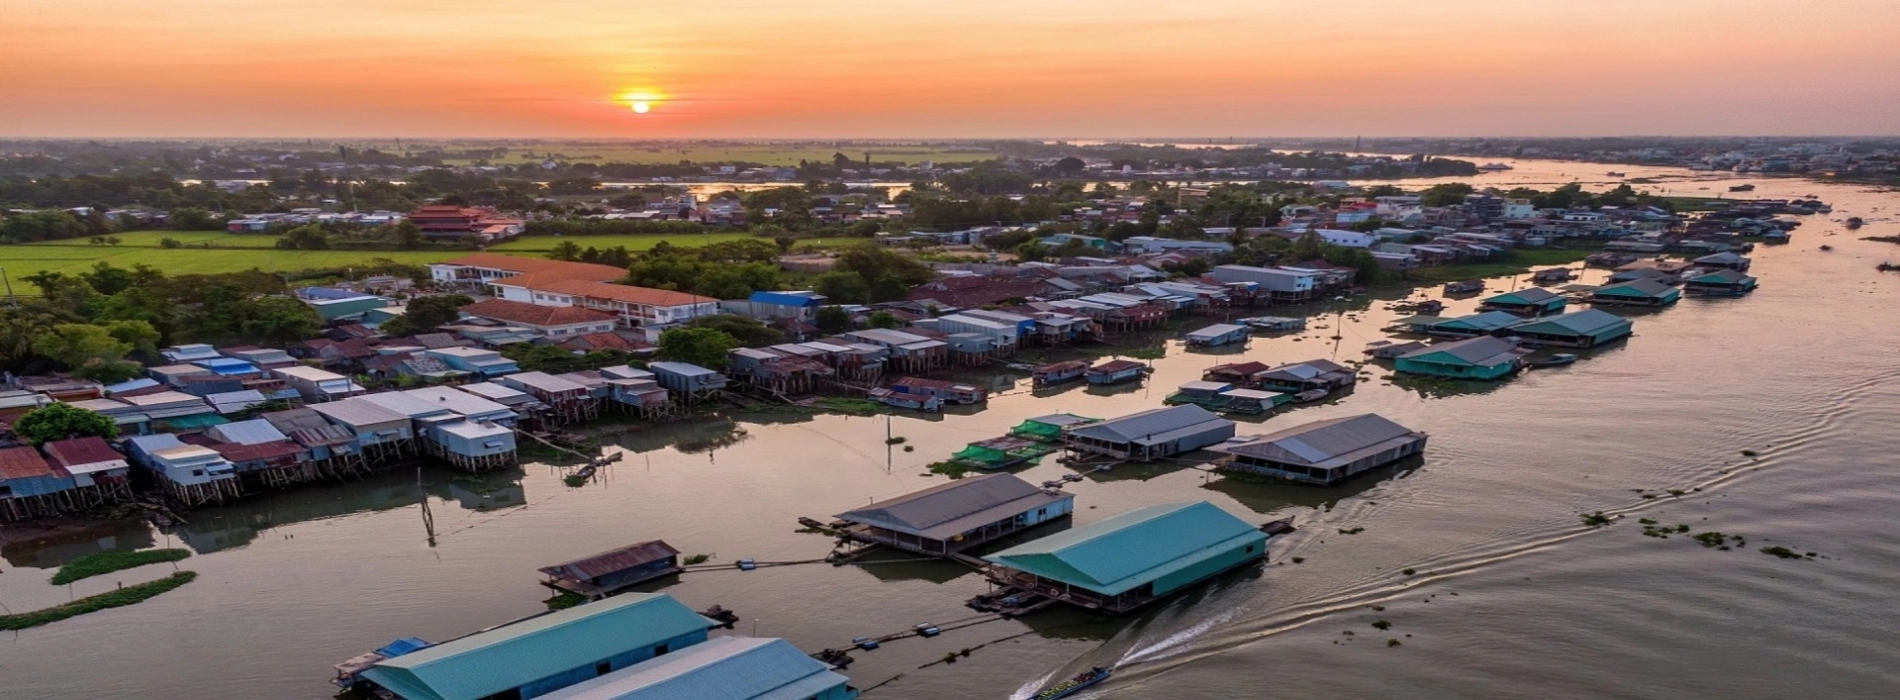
(1249, 548)
(1043, 514)
(615, 663)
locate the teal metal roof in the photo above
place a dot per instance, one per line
(1587, 322)
(725, 668)
(1533, 295)
(1636, 288)
(1487, 321)
(1121, 553)
(510, 656)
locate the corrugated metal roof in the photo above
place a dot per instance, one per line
(1584, 322)
(610, 561)
(679, 368)
(1121, 553)
(495, 392)
(84, 455)
(295, 419)
(355, 412)
(1326, 443)
(405, 404)
(249, 432)
(1641, 287)
(501, 659)
(1533, 295)
(726, 668)
(1147, 423)
(310, 374)
(472, 430)
(946, 510)
(23, 463)
(1483, 351)
(1487, 321)
(459, 402)
(544, 382)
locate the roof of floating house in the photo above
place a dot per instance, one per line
(1723, 276)
(1533, 295)
(1635, 288)
(1483, 351)
(547, 382)
(1122, 553)
(358, 413)
(1484, 322)
(1151, 426)
(630, 556)
(1328, 443)
(947, 510)
(1217, 330)
(725, 668)
(1586, 322)
(508, 657)
(1306, 371)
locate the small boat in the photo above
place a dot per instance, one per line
(1557, 360)
(1494, 167)
(1464, 287)
(1854, 222)
(1074, 685)
(1614, 173)
(1310, 395)
(1742, 188)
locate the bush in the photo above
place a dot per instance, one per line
(107, 562)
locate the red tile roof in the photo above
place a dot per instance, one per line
(534, 315)
(520, 265)
(23, 463)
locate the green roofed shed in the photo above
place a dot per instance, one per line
(542, 654)
(1133, 558)
(1049, 428)
(1579, 329)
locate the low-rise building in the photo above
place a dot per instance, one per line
(956, 515)
(1483, 357)
(1642, 292)
(1323, 452)
(1535, 301)
(544, 320)
(1581, 329)
(1151, 434)
(726, 668)
(1129, 560)
(318, 385)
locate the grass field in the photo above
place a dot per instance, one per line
(769, 154)
(233, 252)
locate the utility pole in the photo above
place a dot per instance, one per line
(12, 300)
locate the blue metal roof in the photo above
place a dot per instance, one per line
(328, 293)
(1121, 553)
(226, 366)
(508, 657)
(782, 299)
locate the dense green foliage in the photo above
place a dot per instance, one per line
(59, 421)
(107, 562)
(706, 347)
(425, 314)
(129, 595)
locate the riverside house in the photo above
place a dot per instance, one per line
(1130, 560)
(1483, 357)
(1323, 452)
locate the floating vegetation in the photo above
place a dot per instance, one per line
(1382, 625)
(1351, 530)
(899, 440)
(1711, 539)
(1392, 643)
(108, 562)
(1297, 560)
(1677, 492)
(574, 480)
(1750, 453)
(852, 407)
(692, 559)
(563, 601)
(129, 595)
(1409, 572)
(1597, 519)
(949, 469)
(1782, 552)
(1378, 608)
(1663, 531)
(910, 448)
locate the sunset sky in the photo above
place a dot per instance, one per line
(963, 68)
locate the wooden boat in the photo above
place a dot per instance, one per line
(1557, 360)
(1465, 287)
(1854, 222)
(1310, 395)
(1278, 527)
(349, 674)
(1058, 373)
(1074, 685)
(1742, 188)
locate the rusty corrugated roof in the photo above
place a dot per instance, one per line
(628, 557)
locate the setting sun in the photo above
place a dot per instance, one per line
(640, 101)
(642, 107)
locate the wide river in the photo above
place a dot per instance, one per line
(1511, 595)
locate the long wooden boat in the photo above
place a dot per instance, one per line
(1071, 686)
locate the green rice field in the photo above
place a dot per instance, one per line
(233, 252)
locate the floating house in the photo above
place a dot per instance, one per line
(1237, 373)
(1466, 326)
(1306, 376)
(1388, 349)
(318, 385)
(1483, 357)
(1464, 287)
(472, 445)
(1150, 435)
(1049, 428)
(192, 474)
(1115, 372)
(1582, 329)
(1720, 283)
(545, 653)
(606, 573)
(1202, 393)
(1217, 335)
(1636, 293)
(1251, 402)
(349, 674)
(726, 668)
(1129, 560)
(944, 391)
(1058, 373)
(1535, 301)
(1724, 260)
(952, 516)
(1323, 452)
(101, 475)
(636, 390)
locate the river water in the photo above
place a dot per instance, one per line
(1511, 595)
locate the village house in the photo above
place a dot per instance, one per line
(1535, 301)
(1582, 329)
(600, 575)
(451, 222)
(545, 321)
(1323, 452)
(1636, 293)
(956, 515)
(1129, 560)
(1483, 357)
(476, 270)
(728, 668)
(1151, 434)
(1723, 282)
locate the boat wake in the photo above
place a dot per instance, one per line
(1028, 690)
(1173, 643)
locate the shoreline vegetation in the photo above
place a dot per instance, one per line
(107, 562)
(129, 595)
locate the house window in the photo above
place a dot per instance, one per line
(1042, 512)
(1250, 549)
(197, 472)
